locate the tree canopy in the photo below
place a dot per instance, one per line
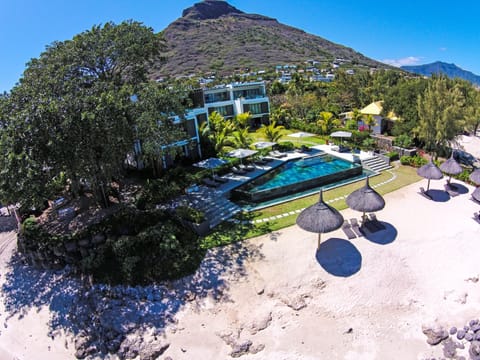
(71, 112)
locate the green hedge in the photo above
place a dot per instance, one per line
(415, 161)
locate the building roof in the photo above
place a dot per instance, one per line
(375, 108)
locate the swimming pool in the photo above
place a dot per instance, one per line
(297, 175)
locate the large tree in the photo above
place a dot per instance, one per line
(71, 112)
(156, 127)
(441, 113)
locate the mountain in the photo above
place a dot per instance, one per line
(212, 35)
(450, 70)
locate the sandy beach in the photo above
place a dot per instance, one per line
(278, 298)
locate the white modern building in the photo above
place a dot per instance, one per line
(238, 98)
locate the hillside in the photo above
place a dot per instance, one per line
(215, 36)
(450, 70)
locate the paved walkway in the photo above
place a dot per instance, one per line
(291, 213)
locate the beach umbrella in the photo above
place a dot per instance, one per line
(341, 134)
(365, 200)
(475, 177)
(430, 171)
(241, 153)
(299, 135)
(320, 218)
(476, 194)
(210, 163)
(263, 144)
(451, 167)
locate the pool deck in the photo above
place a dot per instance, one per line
(332, 149)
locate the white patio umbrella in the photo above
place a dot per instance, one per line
(241, 153)
(263, 144)
(341, 134)
(300, 134)
(210, 163)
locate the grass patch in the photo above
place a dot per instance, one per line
(308, 141)
(229, 232)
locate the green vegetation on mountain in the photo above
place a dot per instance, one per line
(450, 70)
(214, 36)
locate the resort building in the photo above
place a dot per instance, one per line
(228, 100)
(238, 98)
(382, 124)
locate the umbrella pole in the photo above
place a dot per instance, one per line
(428, 185)
(319, 240)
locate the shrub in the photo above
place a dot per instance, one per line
(393, 155)
(415, 161)
(403, 141)
(160, 252)
(286, 146)
(190, 214)
(157, 191)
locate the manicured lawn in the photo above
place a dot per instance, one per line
(229, 232)
(308, 141)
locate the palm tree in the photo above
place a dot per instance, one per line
(272, 132)
(217, 131)
(242, 120)
(327, 122)
(370, 121)
(242, 138)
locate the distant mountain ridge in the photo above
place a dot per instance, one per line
(450, 70)
(212, 35)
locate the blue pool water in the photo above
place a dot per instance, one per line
(296, 176)
(301, 170)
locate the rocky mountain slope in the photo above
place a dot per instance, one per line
(215, 36)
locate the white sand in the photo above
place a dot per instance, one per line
(419, 276)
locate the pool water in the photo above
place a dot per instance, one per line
(298, 175)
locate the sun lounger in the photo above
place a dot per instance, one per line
(356, 228)
(210, 183)
(260, 162)
(347, 229)
(219, 179)
(277, 154)
(238, 171)
(451, 190)
(376, 223)
(425, 193)
(476, 217)
(247, 167)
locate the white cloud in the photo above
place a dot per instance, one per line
(410, 60)
(443, 49)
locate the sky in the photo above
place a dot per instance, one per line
(398, 33)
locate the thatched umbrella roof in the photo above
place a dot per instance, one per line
(451, 167)
(475, 177)
(320, 218)
(430, 171)
(365, 199)
(476, 194)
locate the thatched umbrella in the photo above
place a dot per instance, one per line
(476, 194)
(430, 171)
(475, 177)
(451, 167)
(320, 218)
(365, 200)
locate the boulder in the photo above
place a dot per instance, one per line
(435, 334)
(70, 246)
(474, 350)
(98, 239)
(240, 349)
(261, 323)
(84, 242)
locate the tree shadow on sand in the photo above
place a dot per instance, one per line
(105, 312)
(385, 236)
(339, 257)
